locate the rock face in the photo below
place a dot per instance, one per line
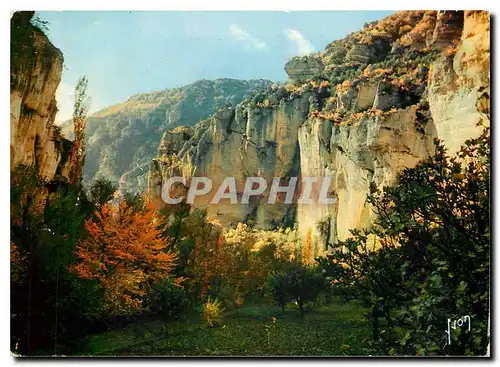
(36, 66)
(359, 127)
(449, 26)
(247, 142)
(459, 86)
(141, 121)
(373, 49)
(300, 69)
(372, 150)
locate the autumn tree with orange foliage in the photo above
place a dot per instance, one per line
(125, 254)
(217, 265)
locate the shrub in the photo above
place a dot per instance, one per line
(300, 284)
(229, 296)
(278, 284)
(259, 253)
(168, 299)
(212, 310)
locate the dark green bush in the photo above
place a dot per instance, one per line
(168, 299)
(430, 259)
(300, 284)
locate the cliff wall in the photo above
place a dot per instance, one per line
(36, 67)
(359, 112)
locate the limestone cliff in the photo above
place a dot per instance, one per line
(360, 111)
(36, 67)
(459, 83)
(142, 119)
(250, 141)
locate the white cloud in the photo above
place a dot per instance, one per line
(250, 41)
(65, 96)
(304, 46)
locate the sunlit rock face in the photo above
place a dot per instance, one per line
(247, 142)
(36, 67)
(122, 139)
(356, 114)
(459, 84)
(372, 150)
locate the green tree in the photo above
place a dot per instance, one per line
(101, 191)
(426, 259)
(50, 308)
(300, 283)
(80, 110)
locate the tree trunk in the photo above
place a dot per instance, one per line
(375, 322)
(301, 307)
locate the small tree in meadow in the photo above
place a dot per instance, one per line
(125, 254)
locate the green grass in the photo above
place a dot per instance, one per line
(328, 330)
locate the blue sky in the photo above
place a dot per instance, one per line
(125, 53)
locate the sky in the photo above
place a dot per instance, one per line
(125, 53)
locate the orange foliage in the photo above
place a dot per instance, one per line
(125, 254)
(368, 70)
(423, 29)
(380, 71)
(346, 84)
(332, 116)
(400, 22)
(323, 84)
(216, 262)
(405, 29)
(293, 88)
(331, 100)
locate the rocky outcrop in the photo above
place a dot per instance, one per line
(247, 142)
(300, 69)
(373, 150)
(141, 121)
(36, 67)
(449, 26)
(171, 144)
(358, 126)
(459, 84)
(173, 140)
(373, 49)
(360, 95)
